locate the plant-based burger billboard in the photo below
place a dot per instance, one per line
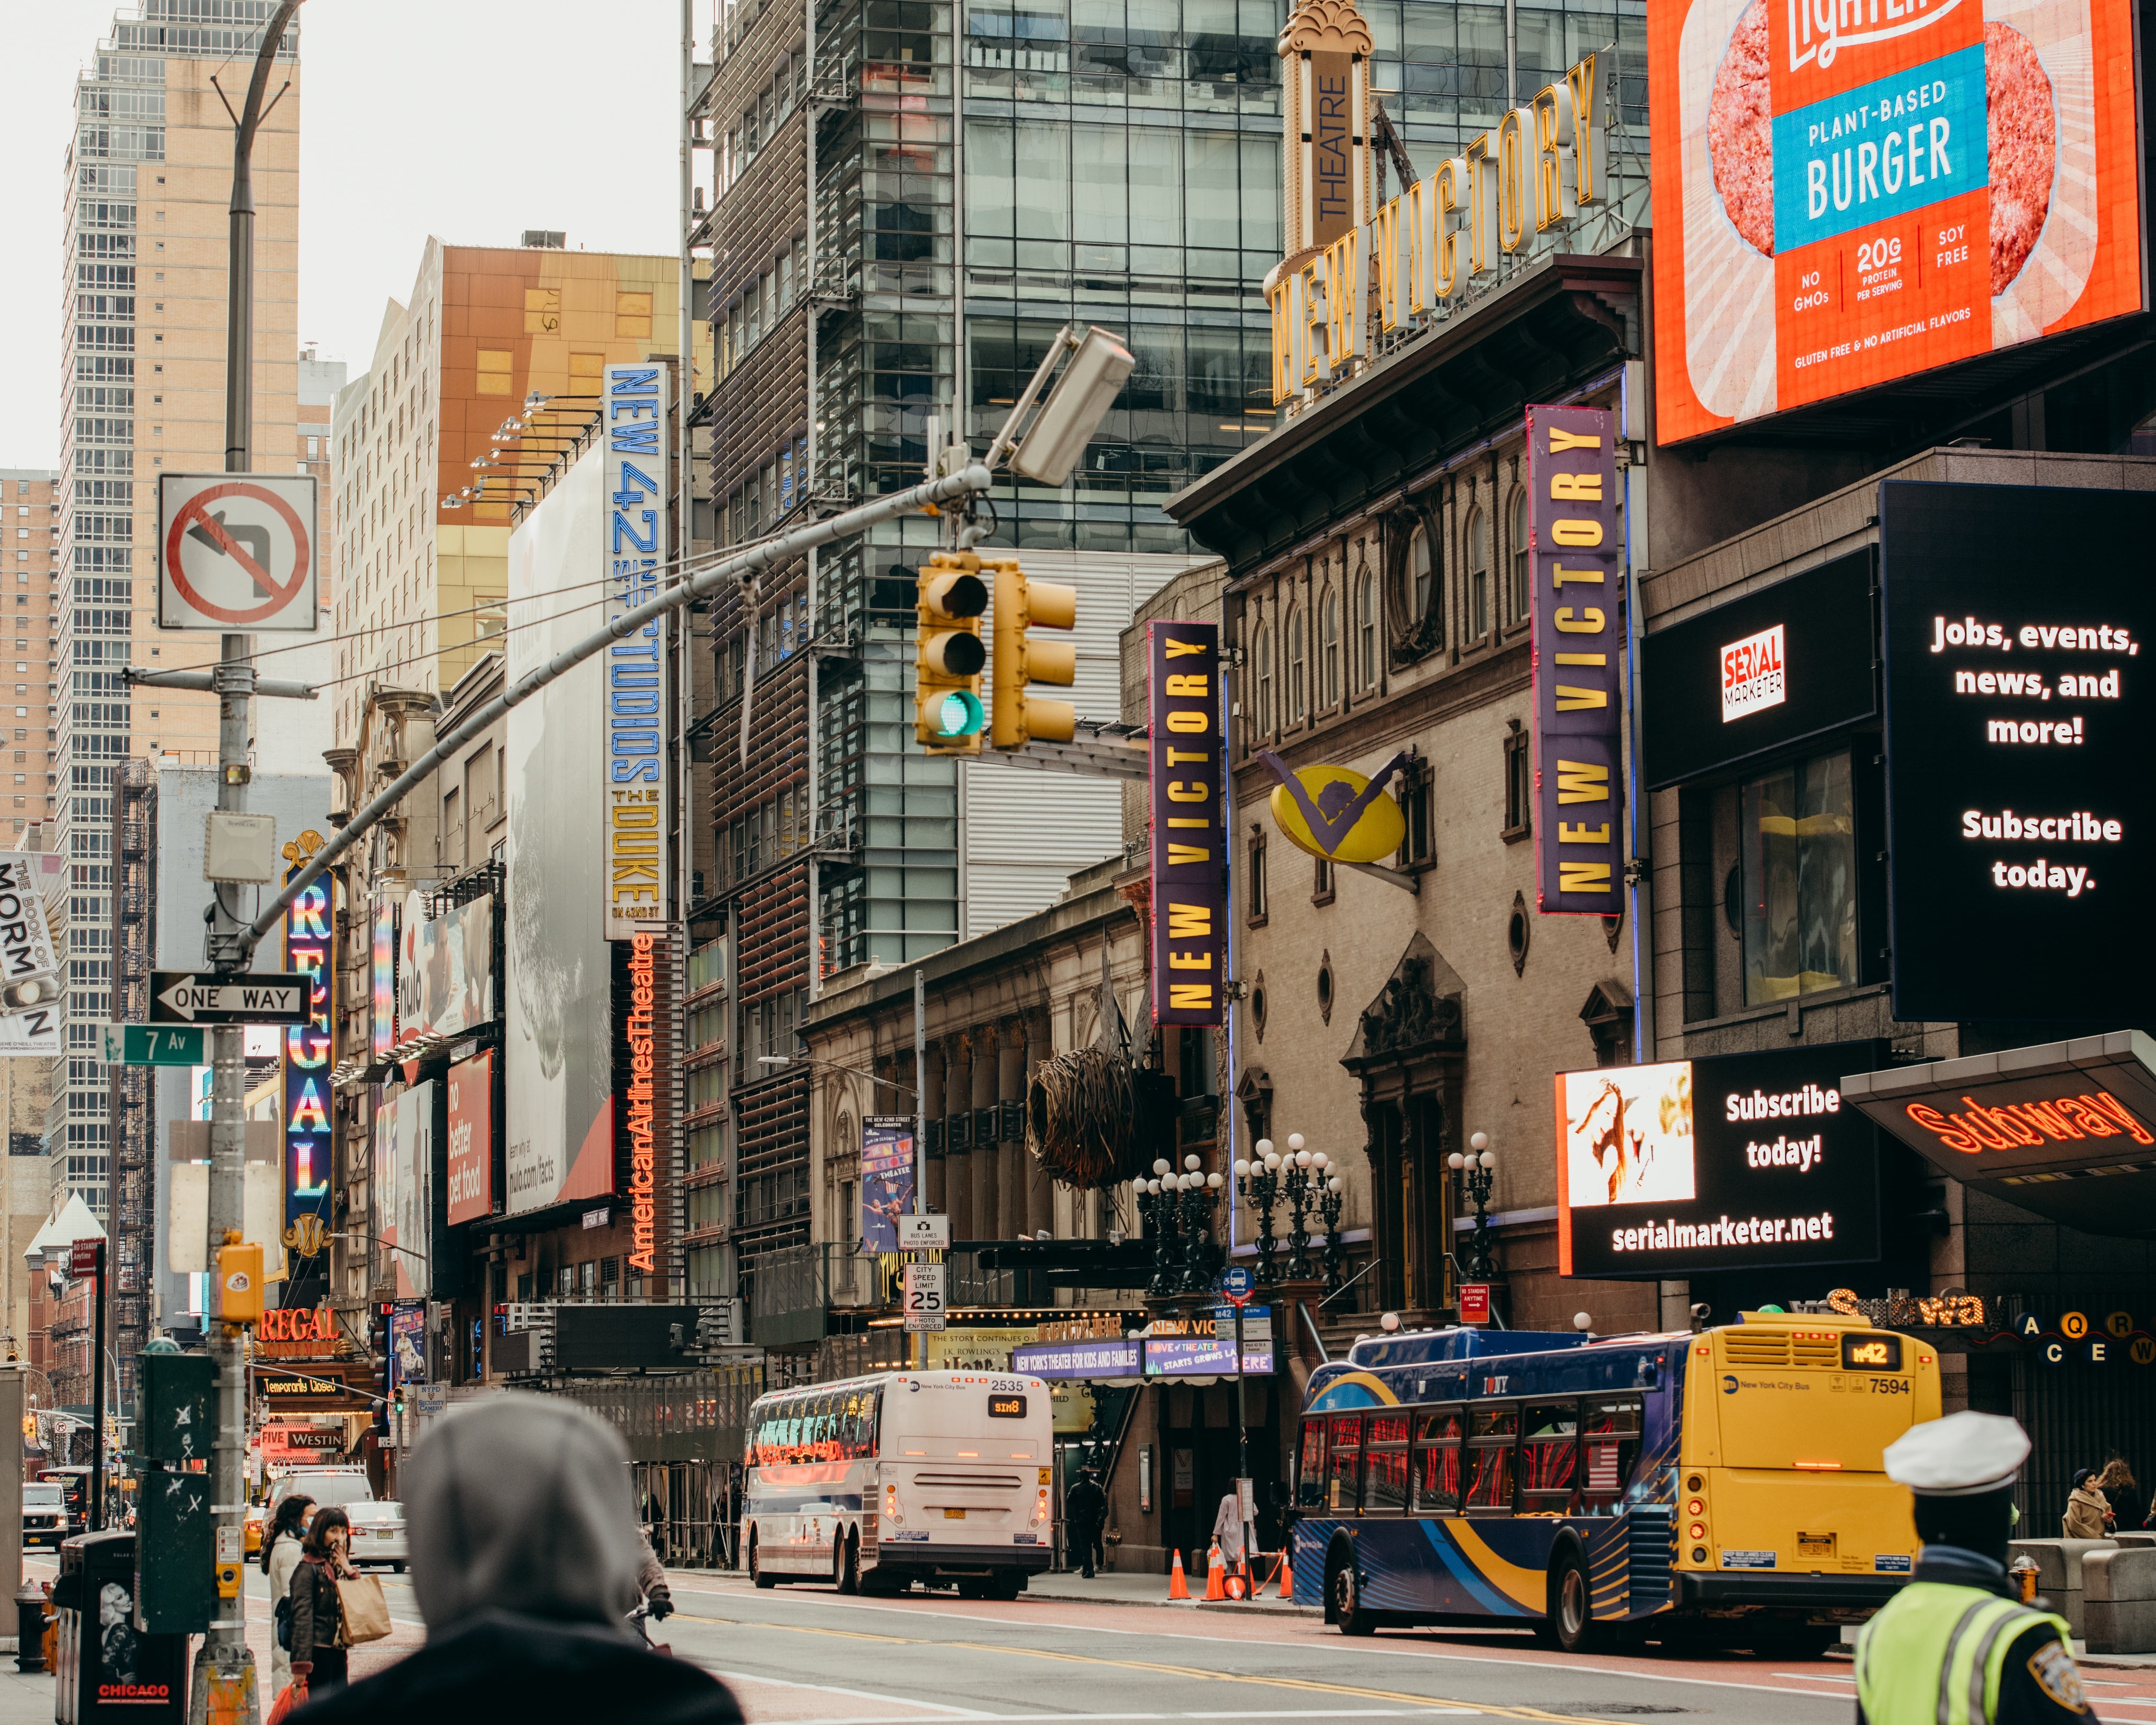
(1735, 1161)
(1855, 192)
(2019, 807)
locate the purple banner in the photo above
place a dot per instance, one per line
(1576, 563)
(1183, 1357)
(1189, 958)
(1091, 1358)
(886, 1178)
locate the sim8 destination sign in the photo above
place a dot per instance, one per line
(2019, 800)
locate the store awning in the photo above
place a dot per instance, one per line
(2067, 1130)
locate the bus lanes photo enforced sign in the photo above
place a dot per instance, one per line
(236, 552)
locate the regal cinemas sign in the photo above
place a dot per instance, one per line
(302, 1332)
(1513, 190)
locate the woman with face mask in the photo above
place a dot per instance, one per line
(318, 1651)
(280, 1557)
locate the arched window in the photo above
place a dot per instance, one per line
(1262, 703)
(1298, 684)
(1515, 601)
(1366, 631)
(1478, 574)
(1422, 575)
(1328, 649)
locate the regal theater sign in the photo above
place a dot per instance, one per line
(1513, 192)
(302, 1332)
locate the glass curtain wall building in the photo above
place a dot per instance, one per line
(912, 197)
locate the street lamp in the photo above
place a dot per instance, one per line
(1478, 1170)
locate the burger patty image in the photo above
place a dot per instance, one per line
(2021, 128)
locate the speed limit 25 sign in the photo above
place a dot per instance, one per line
(922, 1290)
(236, 552)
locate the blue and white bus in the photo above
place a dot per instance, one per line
(877, 1482)
(1728, 1482)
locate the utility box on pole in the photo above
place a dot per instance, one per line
(175, 1561)
(175, 1407)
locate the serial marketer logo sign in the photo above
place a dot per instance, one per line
(1755, 673)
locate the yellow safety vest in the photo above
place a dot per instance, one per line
(1933, 1653)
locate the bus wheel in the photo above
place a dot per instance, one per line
(1572, 1624)
(848, 1565)
(1347, 1603)
(755, 1565)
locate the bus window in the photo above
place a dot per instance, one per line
(1437, 1463)
(1490, 1434)
(1385, 1486)
(1310, 1478)
(1612, 1438)
(1548, 1456)
(1343, 1477)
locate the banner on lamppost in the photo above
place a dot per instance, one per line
(886, 1178)
(1187, 762)
(1576, 568)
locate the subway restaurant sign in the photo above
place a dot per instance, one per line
(1513, 190)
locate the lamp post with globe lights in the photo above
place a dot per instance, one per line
(1156, 1206)
(1258, 1182)
(1478, 1171)
(1305, 1177)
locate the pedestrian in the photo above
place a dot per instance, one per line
(1085, 1513)
(1227, 1528)
(2086, 1510)
(318, 1646)
(524, 1563)
(2123, 1493)
(651, 1580)
(1956, 1646)
(280, 1557)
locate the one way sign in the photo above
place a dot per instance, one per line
(180, 997)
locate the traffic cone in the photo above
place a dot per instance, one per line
(1238, 1583)
(1216, 1574)
(1178, 1589)
(1287, 1573)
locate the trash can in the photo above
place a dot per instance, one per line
(108, 1669)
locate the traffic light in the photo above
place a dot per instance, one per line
(1023, 605)
(378, 1361)
(947, 655)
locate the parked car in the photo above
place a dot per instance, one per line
(378, 1534)
(74, 1484)
(254, 1529)
(44, 1514)
(343, 1486)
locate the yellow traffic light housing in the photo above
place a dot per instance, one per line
(947, 655)
(1023, 605)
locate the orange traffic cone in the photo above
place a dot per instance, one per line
(1287, 1573)
(1216, 1574)
(1238, 1585)
(1178, 1589)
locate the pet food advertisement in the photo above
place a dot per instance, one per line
(1853, 191)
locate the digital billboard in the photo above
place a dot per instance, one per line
(2019, 811)
(1733, 1161)
(1853, 193)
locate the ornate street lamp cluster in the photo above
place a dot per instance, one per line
(1304, 1179)
(1478, 1258)
(1177, 1209)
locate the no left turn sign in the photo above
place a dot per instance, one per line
(236, 552)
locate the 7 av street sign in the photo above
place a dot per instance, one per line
(209, 998)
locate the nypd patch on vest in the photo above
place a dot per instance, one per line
(2054, 1670)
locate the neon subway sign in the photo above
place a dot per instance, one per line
(2060, 1119)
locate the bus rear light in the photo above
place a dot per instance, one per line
(1819, 1466)
(1695, 1508)
(1698, 1530)
(891, 1512)
(1699, 1554)
(1040, 1507)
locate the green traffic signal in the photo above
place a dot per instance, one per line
(959, 713)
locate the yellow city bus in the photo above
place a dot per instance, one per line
(1727, 1482)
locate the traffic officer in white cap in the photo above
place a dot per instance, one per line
(1956, 1646)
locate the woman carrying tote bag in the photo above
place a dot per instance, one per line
(318, 1641)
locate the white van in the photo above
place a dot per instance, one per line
(878, 1482)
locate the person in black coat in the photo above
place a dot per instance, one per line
(319, 1656)
(1085, 1513)
(525, 1552)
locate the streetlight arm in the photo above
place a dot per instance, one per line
(904, 1090)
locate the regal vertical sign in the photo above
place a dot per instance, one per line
(309, 952)
(1188, 761)
(1576, 566)
(636, 556)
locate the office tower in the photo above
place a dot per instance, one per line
(29, 557)
(148, 189)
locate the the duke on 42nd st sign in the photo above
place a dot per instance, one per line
(236, 552)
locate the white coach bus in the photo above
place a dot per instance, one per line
(877, 1482)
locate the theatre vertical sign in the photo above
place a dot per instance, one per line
(1188, 764)
(636, 552)
(1576, 569)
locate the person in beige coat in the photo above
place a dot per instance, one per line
(2086, 1509)
(280, 1557)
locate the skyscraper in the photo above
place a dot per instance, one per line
(146, 197)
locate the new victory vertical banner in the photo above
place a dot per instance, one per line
(1576, 566)
(1187, 759)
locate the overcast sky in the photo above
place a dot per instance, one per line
(492, 117)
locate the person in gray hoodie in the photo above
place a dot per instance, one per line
(524, 1553)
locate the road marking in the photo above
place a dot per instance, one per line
(1107, 1718)
(1816, 1676)
(1198, 1674)
(938, 1707)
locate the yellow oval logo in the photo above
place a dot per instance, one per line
(1352, 822)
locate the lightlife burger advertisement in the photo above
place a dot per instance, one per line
(1733, 1161)
(1855, 191)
